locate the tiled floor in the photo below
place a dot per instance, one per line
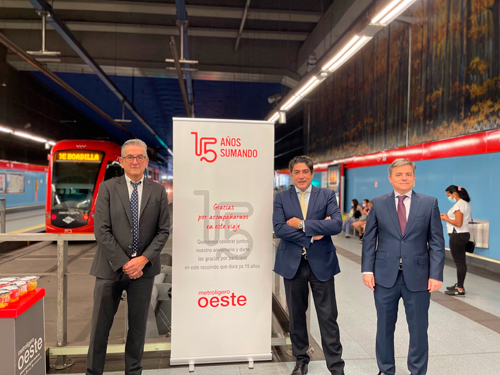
(458, 345)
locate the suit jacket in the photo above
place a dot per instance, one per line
(421, 247)
(113, 227)
(321, 254)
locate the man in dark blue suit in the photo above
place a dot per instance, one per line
(304, 218)
(403, 257)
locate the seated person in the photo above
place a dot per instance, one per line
(353, 216)
(361, 223)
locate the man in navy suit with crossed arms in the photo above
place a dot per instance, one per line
(403, 257)
(304, 218)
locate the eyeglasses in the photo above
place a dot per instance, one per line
(130, 158)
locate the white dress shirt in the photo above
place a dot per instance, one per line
(139, 191)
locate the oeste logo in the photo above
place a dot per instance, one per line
(223, 301)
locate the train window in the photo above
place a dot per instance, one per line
(73, 183)
(113, 169)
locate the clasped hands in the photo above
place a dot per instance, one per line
(433, 285)
(133, 268)
(294, 223)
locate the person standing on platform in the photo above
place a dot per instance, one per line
(304, 218)
(131, 228)
(457, 226)
(403, 257)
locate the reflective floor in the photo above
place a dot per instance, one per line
(464, 332)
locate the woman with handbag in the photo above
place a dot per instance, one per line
(353, 215)
(457, 226)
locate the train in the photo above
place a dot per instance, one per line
(76, 169)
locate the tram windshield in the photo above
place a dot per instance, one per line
(74, 178)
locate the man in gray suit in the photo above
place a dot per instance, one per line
(403, 257)
(131, 227)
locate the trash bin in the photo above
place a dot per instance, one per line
(22, 342)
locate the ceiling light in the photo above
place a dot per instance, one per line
(274, 117)
(396, 12)
(356, 47)
(312, 83)
(29, 136)
(342, 51)
(391, 11)
(386, 10)
(289, 104)
(6, 130)
(51, 143)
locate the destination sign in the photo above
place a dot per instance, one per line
(84, 156)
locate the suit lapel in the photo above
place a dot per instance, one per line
(295, 202)
(391, 206)
(415, 204)
(146, 193)
(312, 201)
(122, 189)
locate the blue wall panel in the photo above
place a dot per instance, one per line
(28, 198)
(475, 173)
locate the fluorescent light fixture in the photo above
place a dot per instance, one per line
(386, 10)
(29, 136)
(51, 143)
(290, 103)
(6, 130)
(355, 48)
(391, 11)
(274, 117)
(341, 53)
(312, 83)
(396, 12)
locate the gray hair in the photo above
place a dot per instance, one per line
(399, 163)
(301, 159)
(135, 142)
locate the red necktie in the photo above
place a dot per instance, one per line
(402, 213)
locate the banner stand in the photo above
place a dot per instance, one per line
(222, 241)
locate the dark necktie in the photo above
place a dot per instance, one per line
(134, 206)
(402, 213)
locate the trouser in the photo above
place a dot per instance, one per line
(417, 316)
(458, 241)
(346, 225)
(107, 294)
(297, 296)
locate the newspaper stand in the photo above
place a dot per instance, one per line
(22, 336)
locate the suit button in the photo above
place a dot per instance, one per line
(402, 242)
(130, 246)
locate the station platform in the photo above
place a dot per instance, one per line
(464, 332)
(25, 219)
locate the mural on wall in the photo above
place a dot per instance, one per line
(454, 83)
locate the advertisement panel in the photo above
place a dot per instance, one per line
(2, 183)
(15, 183)
(222, 241)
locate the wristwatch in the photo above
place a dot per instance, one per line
(301, 224)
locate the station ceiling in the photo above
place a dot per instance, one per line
(130, 41)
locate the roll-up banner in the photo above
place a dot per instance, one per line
(222, 241)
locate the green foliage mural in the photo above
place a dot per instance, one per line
(454, 82)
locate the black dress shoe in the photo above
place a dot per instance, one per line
(300, 369)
